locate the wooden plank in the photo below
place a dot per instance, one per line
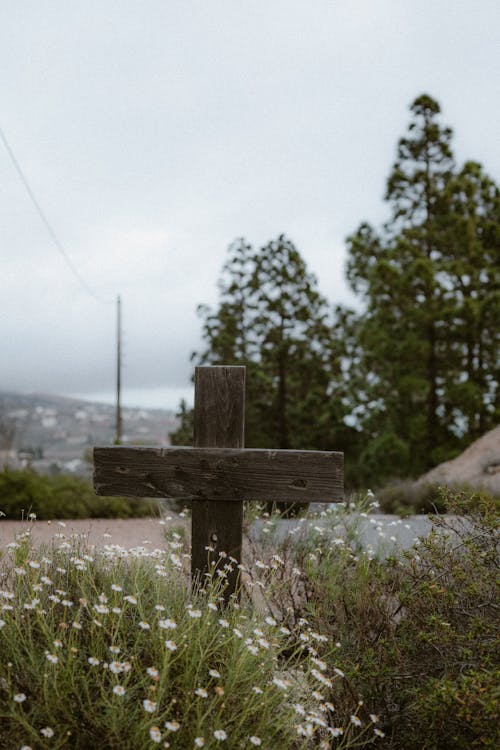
(219, 423)
(220, 474)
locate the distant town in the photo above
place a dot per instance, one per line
(54, 434)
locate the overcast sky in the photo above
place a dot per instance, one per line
(153, 133)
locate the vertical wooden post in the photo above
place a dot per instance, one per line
(219, 422)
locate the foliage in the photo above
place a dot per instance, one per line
(417, 634)
(405, 498)
(113, 650)
(425, 369)
(62, 496)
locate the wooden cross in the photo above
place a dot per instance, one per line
(218, 473)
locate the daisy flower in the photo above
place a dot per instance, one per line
(19, 697)
(220, 734)
(119, 690)
(149, 706)
(155, 734)
(167, 624)
(172, 726)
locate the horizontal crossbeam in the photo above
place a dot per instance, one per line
(220, 474)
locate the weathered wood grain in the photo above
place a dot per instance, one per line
(219, 423)
(219, 473)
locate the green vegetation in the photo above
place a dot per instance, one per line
(328, 647)
(63, 496)
(410, 377)
(112, 650)
(417, 633)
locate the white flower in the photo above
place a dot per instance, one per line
(214, 673)
(52, 658)
(171, 645)
(119, 690)
(2, 624)
(19, 697)
(149, 706)
(116, 667)
(155, 734)
(255, 740)
(47, 732)
(195, 613)
(115, 649)
(152, 672)
(130, 599)
(257, 690)
(220, 734)
(101, 609)
(93, 661)
(223, 623)
(144, 625)
(172, 726)
(167, 624)
(199, 741)
(115, 587)
(270, 621)
(280, 683)
(356, 721)
(77, 625)
(201, 692)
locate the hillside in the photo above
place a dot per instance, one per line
(54, 433)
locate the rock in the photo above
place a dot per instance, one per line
(478, 466)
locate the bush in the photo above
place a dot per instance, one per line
(114, 651)
(63, 496)
(419, 633)
(406, 497)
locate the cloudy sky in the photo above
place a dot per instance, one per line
(153, 133)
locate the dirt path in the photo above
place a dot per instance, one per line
(130, 532)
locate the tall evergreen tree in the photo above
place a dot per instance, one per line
(412, 332)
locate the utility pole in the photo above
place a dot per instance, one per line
(118, 438)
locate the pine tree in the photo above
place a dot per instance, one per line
(422, 350)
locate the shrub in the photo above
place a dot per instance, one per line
(406, 497)
(419, 633)
(112, 650)
(63, 496)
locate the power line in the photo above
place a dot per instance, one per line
(47, 224)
